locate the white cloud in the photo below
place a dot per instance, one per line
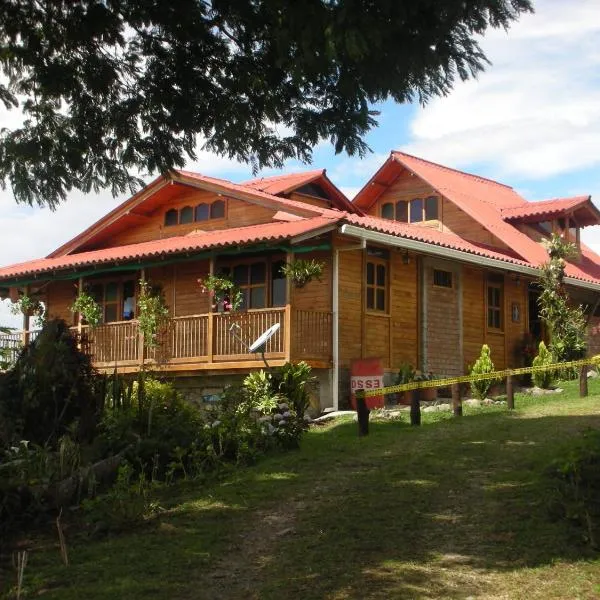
(536, 111)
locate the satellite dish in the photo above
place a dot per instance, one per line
(260, 343)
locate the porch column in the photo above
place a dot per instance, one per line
(141, 348)
(210, 329)
(289, 257)
(79, 315)
(25, 332)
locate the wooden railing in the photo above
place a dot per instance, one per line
(13, 343)
(207, 338)
(312, 334)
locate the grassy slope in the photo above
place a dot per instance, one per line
(454, 509)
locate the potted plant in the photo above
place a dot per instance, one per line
(406, 374)
(301, 272)
(428, 394)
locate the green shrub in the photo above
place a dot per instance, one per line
(577, 490)
(294, 381)
(51, 387)
(482, 365)
(543, 379)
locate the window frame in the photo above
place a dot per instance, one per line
(494, 282)
(120, 300)
(269, 261)
(442, 285)
(377, 261)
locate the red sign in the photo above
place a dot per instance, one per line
(366, 374)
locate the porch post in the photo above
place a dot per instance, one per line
(210, 345)
(25, 332)
(79, 315)
(289, 257)
(141, 347)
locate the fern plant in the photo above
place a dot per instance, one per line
(301, 272)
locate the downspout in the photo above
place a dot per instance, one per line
(336, 317)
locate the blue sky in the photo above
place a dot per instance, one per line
(532, 120)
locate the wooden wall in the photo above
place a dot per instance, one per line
(315, 295)
(313, 200)
(393, 337)
(405, 187)
(59, 299)
(237, 214)
(350, 306)
(504, 345)
(454, 220)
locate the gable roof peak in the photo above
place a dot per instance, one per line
(480, 178)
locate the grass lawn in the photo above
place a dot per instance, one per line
(458, 508)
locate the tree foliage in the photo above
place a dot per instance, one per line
(566, 323)
(111, 87)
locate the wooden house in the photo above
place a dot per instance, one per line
(423, 267)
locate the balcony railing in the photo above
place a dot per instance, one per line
(206, 340)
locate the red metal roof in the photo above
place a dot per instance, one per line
(433, 236)
(192, 242)
(547, 208)
(281, 184)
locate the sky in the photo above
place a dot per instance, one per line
(531, 120)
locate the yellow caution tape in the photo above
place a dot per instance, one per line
(432, 383)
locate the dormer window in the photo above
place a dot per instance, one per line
(190, 214)
(418, 209)
(186, 215)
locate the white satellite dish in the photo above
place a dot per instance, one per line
(260, 343)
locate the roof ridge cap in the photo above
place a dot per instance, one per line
(459, 171)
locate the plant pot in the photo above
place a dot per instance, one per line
(429, 394)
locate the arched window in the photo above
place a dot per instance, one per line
(387, 211)
(217, 209)
(202, 212)
(186, 215)
(431, 208)
(402, 211)
(416, 210)
(171, 217)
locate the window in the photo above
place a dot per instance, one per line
(377, 278)
(442, 278)
(495, 285)
(278, 284)
(202, 212)
(387, 211)
(116, 298)
(251, 279)
(416, 210)
(431, 208)
(171, 217)
(217, 209)
(186, 215)
(402, 211)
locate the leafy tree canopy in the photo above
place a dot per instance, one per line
(111, 87)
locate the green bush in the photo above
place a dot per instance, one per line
(483, 364)
(543, 379)
(51, 387)
(577, 489)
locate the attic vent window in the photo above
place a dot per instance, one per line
(189, 214)
(418, 209)
(442, 278)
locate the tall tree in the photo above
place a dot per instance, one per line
(108, 87)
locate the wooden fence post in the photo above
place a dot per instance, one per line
(510, 393)
(415, 407)
(583, 382)
(456, 400)
(362, 412)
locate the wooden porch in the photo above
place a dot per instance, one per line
(205, 341)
